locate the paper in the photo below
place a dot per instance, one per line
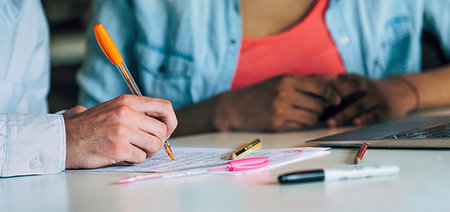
(187, 157)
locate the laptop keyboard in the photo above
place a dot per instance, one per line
(441, 131)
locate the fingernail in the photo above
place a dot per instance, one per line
(331, 123)
(338, 101)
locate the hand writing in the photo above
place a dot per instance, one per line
(128, 128)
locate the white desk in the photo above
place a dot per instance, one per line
(422, 185)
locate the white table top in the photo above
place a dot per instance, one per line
(422, 185)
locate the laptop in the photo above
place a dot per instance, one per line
(408, 132)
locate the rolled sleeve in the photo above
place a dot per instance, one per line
(31, 144)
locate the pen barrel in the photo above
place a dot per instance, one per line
(129, 79)
(184, 173)
(360, 172)
(255, 144)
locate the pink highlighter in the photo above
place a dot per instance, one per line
(232, 166)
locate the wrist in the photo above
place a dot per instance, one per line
(69, 140)
(221, 121)
(400, 94)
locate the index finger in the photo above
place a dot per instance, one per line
(160, 109)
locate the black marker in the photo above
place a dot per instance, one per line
(338, 174)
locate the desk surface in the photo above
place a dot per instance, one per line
(422, 185)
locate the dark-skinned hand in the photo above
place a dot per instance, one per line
(367, 101)
(282, 103)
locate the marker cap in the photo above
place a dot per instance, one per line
(302, 176)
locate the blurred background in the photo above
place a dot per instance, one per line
(67, 20)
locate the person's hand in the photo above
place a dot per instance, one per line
(282, 103)
(366, 101)
(74, 111)
(128, 128)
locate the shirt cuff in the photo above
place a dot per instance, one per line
(32, 144)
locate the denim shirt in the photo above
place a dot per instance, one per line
(31, 142)
(187, 51)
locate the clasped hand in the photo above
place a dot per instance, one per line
(289, 102)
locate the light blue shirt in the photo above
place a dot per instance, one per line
(31, 141)
(187, 50)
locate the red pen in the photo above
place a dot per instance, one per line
(360, 154)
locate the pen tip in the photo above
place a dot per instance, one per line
(169, 151)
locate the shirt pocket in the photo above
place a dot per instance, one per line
(165, 74)
(396, 45)
(163, 64)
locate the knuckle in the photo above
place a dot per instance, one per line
(154, 146)
(166, 103)
(287, 77)
(159, 128)
(141, 157)
(276, 124)
(310, 119)
(118, 150)
(161, 144)
(283, 95)
(122, 131)
(123, 111)
(162, 132)
(173, 124)
(285, 80)
(277, 109)
(119, 132)
(123, 99)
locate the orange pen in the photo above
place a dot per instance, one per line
(112, 53)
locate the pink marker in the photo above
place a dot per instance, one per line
(232, 166)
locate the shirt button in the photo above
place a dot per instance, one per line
(33, 163)
(344, 40)
(187, 74)
(162, 68)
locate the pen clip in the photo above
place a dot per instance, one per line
(248, 164)
(107, 44)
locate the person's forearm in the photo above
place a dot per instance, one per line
(196, 118)
(433, 87)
